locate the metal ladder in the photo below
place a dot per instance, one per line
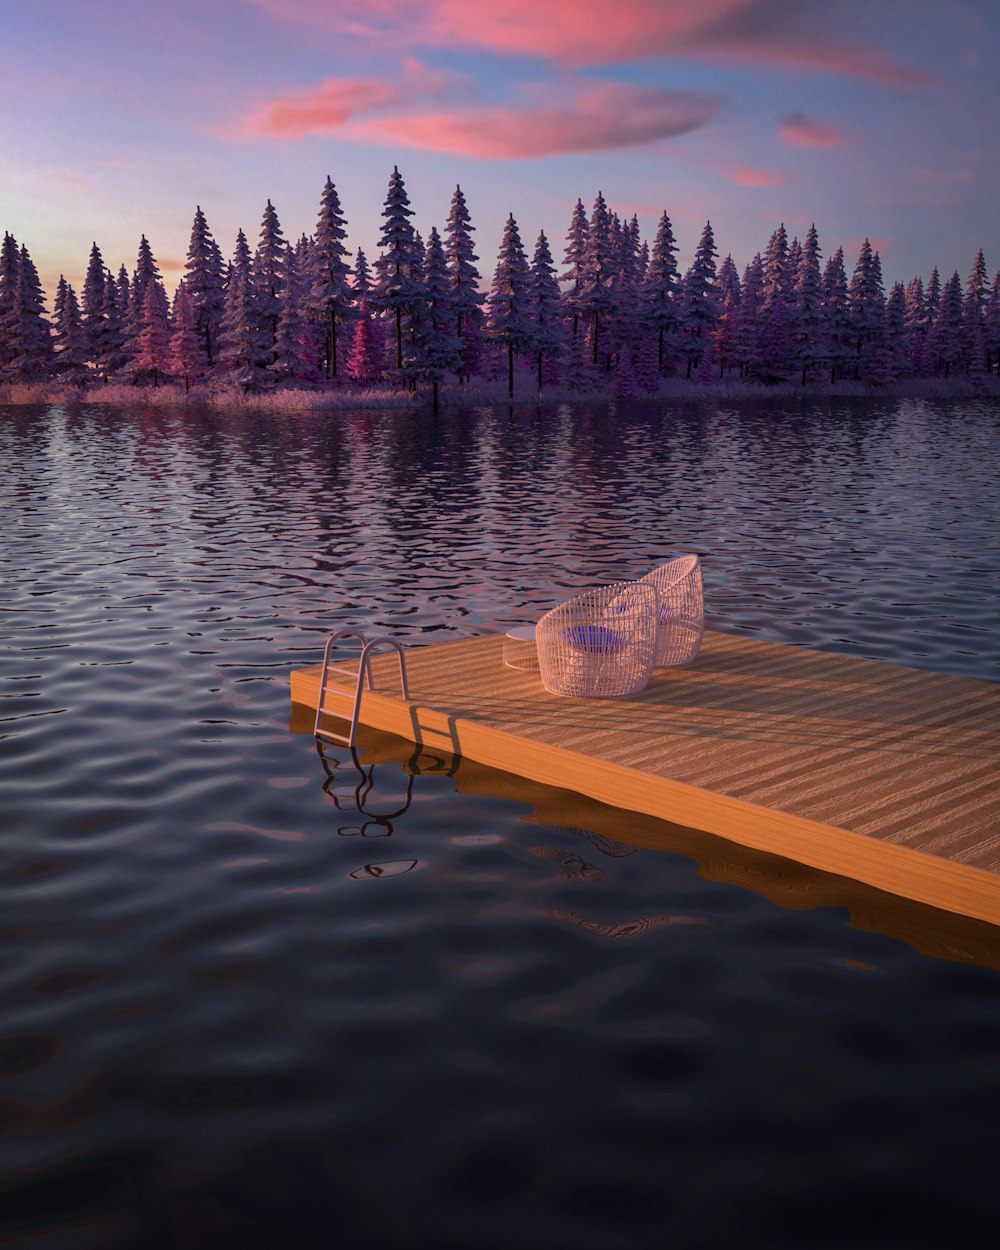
(364, 670)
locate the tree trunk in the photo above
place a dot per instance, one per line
(597, 327)
(435, 394)
(510, 370)
(539, 373)
(331, 364)
(399, 337)
(659, 358)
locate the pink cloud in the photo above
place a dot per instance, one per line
(745, 176)
(586, 32)
(321, 111)
(805, 132)
(598, 117)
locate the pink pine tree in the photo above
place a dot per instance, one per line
(153, 343)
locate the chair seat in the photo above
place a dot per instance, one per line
(601, 644)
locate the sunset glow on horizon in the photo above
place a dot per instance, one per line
(871, 120)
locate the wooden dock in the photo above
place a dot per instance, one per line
(883, 775)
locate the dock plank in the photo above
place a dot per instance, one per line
(884, 774)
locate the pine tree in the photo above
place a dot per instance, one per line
(93, 307)
(25, 328)
(293, 345)
(865, 302)
(914, 325)
(932, 296)
(725, 336)
(596, 299)
(545, 310)
(509, 322)
(268, 272)
(647, 370)
(466, 298)
(838, 323)
(991, 325)
(69, 352)
(10, 260)
(367, 353)
(777, 287)
(187, 350)
(729, 281)
(895, 329)
(747, 337)
(573, 259)
(626, 386)
(244, 347)
(878, 364)
(203, 280)
(808, 322)
(436, 347)
(699, 308)
(332, 298)
(944, 342)
(659, 289)
(146, 271)
(397, 288)
(974, 306)
(112, 355)
(627, 287)
(362, 276)
(154, 338)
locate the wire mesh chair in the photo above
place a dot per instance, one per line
(682, 610)
(601, 644)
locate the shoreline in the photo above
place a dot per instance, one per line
(348, 395)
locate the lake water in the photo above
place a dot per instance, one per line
(235, 1015)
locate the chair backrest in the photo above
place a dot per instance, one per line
(600, 644)
(682, 610)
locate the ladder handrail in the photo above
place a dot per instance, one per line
(364, 667)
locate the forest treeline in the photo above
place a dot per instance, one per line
(309, 314)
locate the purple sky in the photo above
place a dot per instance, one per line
(869, 117)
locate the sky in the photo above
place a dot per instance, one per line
(871, 118)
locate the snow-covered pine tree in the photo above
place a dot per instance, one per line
(268, 272)
(546, 312)
(203, 280)
(436, 347)
(187, 344)
(576, 246)
(466, 297)
(808, 320)
(153, 345)
(124, 288)
(840, 343)
(865, 302)
(596, 298)
(509, 323)
(26, 329)
(699, 307)
(69, 353)
(397, 291)
(93, 308)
